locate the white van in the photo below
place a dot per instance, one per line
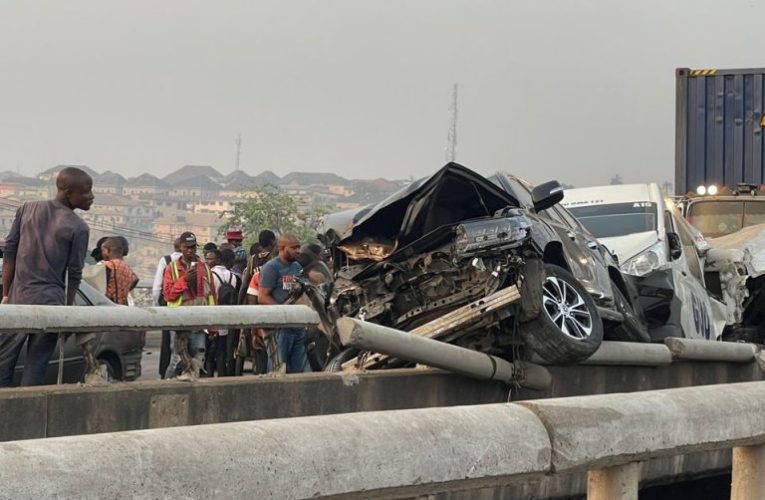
(653, 242)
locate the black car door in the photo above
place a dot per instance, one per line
(584, 266)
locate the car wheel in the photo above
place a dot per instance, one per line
(568, 328)
(631, 329)
(744, 333)
(111, 371)
(336, 363)
(318, 352)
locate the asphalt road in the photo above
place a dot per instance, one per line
(150, 358)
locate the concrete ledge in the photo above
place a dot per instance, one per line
(52, 411)
(24, 415)
(304, 457)
(613, 429)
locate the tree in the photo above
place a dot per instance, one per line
(273, 209)
(617, 179)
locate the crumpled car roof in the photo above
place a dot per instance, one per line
(452, 194)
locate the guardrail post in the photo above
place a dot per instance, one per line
(614, 483)
(748, 473)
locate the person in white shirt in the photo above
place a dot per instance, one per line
(220, 350)
(158, 300)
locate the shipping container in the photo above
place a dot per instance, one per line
(718, 128)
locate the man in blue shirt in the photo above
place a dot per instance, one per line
(277, 278)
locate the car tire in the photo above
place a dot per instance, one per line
(631, 329)
(568, 329)
(111, 371)
(744, 333)
(317, 352)
(335, 364)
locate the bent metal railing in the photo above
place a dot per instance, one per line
(405, 453)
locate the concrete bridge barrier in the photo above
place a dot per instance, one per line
(403, 453)
(613, 429)
(44, 319)
(609, 435)
(394, 453)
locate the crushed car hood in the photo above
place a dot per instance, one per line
(453, 194)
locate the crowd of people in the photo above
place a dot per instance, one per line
(228, 275)
(44, 270)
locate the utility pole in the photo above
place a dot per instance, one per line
(238, 143)
(451, 140)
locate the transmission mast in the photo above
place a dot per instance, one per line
(238, 143)
(451, 140)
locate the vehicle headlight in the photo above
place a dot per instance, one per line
(650, 259)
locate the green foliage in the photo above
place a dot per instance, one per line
(273, 209)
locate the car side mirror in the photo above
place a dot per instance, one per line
(546, 195)
(675, 247)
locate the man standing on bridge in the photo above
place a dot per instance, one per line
(277, 278)
(188, 282)
(44, 255)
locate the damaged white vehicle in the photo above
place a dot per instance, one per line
(654, 243)
(735, 271)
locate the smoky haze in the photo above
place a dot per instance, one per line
(578, 91)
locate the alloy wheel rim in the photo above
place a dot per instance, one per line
(565, 307)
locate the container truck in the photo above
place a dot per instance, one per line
(719, 148)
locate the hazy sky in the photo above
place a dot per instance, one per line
(573, 90)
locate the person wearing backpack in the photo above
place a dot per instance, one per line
(226, 285)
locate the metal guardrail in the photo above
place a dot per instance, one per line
(49, 319)
(405, 453)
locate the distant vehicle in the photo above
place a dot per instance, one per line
(653, 242)
(119, 351)
(719, 212)
(718, 128)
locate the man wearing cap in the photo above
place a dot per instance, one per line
(235, 237)
(188, 282)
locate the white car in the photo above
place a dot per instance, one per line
(653, 242)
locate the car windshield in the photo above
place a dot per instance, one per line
(715, 218)
(617, 219)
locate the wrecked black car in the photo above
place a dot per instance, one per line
(457, 238)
